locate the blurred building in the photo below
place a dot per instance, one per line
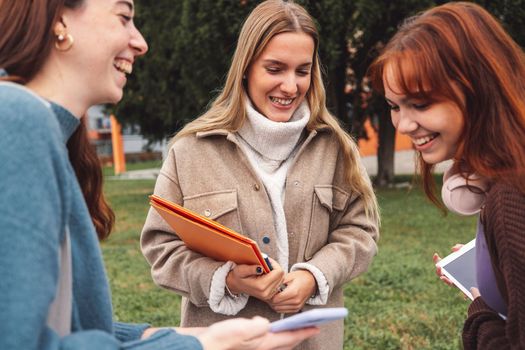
(136, 147)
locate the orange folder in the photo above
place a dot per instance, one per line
(208, 237)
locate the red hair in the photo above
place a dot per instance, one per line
(26, 42)
(459, 52)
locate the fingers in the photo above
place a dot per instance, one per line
(457, 247)
(475, 292)
(301, 286)
(288, 340)
(244, 271)
(251, 280)
(258, 326)
(436, 258)
(237, 333)
(288, 308)
(288, 301)
(446, 280)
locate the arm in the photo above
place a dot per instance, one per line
(350, 248)
(33, 207)
(351, 245)
(504, 229)
(173, 265)
(244, 334)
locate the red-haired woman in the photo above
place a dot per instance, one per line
(455, 82)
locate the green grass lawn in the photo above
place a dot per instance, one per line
(109, 170)
(398, 304)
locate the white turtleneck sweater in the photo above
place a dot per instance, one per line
(270, 148)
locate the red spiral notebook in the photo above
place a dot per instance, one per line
(208, 237)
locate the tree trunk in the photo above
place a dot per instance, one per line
(385, 152)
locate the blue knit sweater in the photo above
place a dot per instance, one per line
(39, 197)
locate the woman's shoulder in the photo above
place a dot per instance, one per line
(504, 202)
(201, 140)
(20, 106)
(26, 119)
(504, 192)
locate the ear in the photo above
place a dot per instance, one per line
(64, 40)
(60, 28)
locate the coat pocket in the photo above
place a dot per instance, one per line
(221, 206)
(327, 202)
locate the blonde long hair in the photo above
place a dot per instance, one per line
(228, 110)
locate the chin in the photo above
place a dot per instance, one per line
(279, 118)
(115, 97)
(434, 158)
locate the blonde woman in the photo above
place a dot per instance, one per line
(269, 161)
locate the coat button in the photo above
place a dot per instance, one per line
(266, 239)
(256, 187)
(296, 183)
(207, 213)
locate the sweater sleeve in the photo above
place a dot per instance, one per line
(32, 211)
(352, 244)
(126, 332)
(505, 229)
(34, 192)
(173, 265)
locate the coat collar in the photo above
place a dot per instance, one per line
(231, 135)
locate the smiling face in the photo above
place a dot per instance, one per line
(279, 79)
(106, 43)
(435, 127)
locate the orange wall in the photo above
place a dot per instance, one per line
(369, 147)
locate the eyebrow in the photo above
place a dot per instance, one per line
(272, 61)
(403, 101)
(129, 4)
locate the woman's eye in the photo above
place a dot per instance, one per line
(272, 70)
(125, 18)
(421, 106)
(303, 73)
(393, 107)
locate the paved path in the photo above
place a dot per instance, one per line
(404, 165)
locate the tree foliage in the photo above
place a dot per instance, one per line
(192, 41)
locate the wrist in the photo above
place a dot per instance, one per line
(312, 283)
(229, 286)
(194, 331)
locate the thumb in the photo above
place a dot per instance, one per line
(260, 325)
(244, 271)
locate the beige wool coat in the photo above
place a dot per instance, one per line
(327, 226)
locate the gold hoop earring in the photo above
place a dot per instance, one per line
(64, 42)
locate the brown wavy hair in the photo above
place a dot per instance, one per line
(26, 41)
(460, 52)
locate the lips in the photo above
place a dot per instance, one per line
(282, 101)
(123, 65)
(421, 141)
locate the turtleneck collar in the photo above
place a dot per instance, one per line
(68, 122)
(274, 140)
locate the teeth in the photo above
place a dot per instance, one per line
(282, 101)
(123, 66)
(423, 140)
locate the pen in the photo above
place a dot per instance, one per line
(267, 260)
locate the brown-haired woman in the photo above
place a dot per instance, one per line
(61, 57)
(455, 82)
